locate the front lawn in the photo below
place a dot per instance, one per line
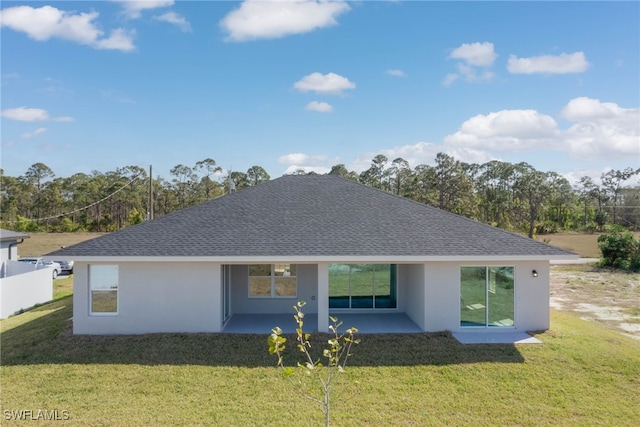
(582, 375)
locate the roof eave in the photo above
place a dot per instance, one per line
(317, 259)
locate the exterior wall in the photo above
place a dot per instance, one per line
(442, 301)
(22, 291)
(154, 297)
(307, 278)
(323, 297)
(442, 296)
(532, 297)
(412, 292)
(8, 251)
(186, 297)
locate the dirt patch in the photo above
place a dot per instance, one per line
(610, 298)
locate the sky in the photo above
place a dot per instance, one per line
(288, 85)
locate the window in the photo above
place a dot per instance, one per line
(487, 296)
(362, 285)
(103, 289)
(273, 280)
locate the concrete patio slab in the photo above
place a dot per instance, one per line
(482, 337)
(366, 323)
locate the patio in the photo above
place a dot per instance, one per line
(366, 323)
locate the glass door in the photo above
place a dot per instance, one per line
(226, 292)
(487, 296)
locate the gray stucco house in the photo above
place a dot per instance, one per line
(342, 247)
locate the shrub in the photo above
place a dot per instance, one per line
(619, 250)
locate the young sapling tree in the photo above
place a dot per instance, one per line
(313, 379)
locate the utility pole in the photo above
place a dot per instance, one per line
(150, 202)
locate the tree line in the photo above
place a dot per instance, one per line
(514, 197)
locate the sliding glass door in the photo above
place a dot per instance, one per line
(226, 291)
(487, 296)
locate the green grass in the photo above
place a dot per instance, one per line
(584, 244)
(63, 286)
(582, 375)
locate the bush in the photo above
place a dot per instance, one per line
(26, 225)
(619, 250)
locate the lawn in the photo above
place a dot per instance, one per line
(582, 375)
(584, 244)
(39, 244)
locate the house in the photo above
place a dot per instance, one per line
(9, 241)
(342, 247)
(21, 285)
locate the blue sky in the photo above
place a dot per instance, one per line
(93, 86)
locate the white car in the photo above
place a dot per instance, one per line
(39, 263)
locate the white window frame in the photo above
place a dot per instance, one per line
(91, 291)
(273, 277)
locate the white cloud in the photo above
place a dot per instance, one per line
(549, 64)
(449, 79)
(602, 130)
(505, 130)
(320, 107)
(24, 114)
(47, 22)
(423, 153)
(474, 58)
(257, 19)
(472, 74)
(396, 73)
(589, 109)
(119, 39)
(475, 54)
(300, 161)
(415, 154)
(293, 158)
(33, 133)
(133, 9)
(317, 169)
(175, 19)
(331, 83)
(598, 131)
(301, 158)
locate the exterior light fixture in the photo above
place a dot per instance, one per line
(534, 273)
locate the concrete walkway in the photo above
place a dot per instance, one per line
(501, 337)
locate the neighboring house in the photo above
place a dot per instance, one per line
(9, 241)
(340, 246)
(21, 285)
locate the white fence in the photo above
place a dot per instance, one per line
(23, 290)
(11, 268)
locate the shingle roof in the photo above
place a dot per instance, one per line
(11, 235)
(311, 215)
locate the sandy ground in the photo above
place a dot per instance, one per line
(607, 298)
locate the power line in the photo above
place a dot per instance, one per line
(80, 209)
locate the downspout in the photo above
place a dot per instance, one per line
(11, 245)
